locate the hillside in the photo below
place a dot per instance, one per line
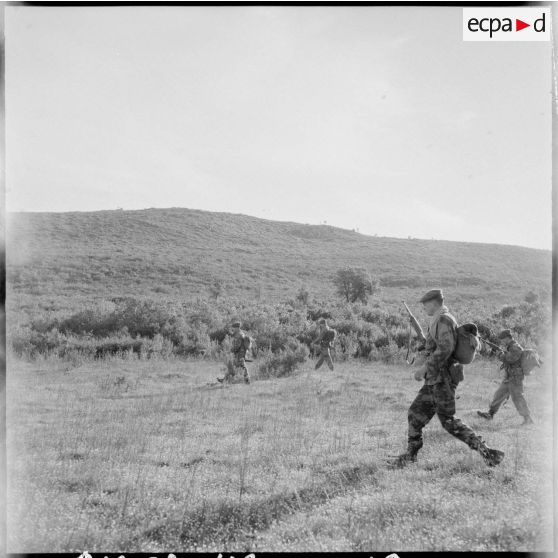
(178, 253)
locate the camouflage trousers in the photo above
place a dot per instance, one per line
(325, 356)
(438, 399)
(238, 363)
(510, 388)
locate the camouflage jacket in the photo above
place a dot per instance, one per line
(511, 360)
(441, 339)
(240, 344)
(325, 339)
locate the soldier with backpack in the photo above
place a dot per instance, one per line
(512, 384)
(441, 374)
(241, 344)
(326, 336)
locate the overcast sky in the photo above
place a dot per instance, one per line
(376, 118)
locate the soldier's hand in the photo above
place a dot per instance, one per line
(420, 373)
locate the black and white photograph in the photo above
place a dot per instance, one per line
(278, 278)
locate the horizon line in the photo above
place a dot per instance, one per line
(325, 224)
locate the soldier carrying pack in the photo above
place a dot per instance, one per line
(516, 364)
(441, 374)
(325, 340)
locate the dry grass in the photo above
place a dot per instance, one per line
(145, 456)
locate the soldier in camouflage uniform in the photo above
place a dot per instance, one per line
(512, 384)
(437, 395)
(240, 345)
(326, 335)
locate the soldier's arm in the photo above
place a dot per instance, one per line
(445, 345)
(512, 355)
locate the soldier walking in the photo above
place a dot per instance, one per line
(240, 344)
(512, 384)
(326, 336)
(437, 395)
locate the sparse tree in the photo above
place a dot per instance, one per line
(355, 284)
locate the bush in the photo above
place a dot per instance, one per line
(283, 363)
(29, 343)
(137, 317)
(506, 312)
(389, 353)
(158, 346)
(348, 345)
(146, 328)
(401, 336)
(121, 348)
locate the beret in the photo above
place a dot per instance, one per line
(432, 294)
(504, 334)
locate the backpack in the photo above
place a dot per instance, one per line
(467, 344)
(529, 361)
(247, 343)
(467, 341)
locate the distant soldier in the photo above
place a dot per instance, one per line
(512, 384)
(326, 336)
(240, 345)
(437, 395)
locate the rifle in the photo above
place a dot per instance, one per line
(413, 324)
(493, 345)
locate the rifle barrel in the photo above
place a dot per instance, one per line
(414, 323)
(491, 344)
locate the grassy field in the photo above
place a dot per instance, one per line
(148, 455)
(135, 455)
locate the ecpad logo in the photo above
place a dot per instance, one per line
(494, 24)
(506, 24)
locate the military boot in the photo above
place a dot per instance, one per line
(400, 461)
(492, 457)
(410, 456)
(485, 415)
